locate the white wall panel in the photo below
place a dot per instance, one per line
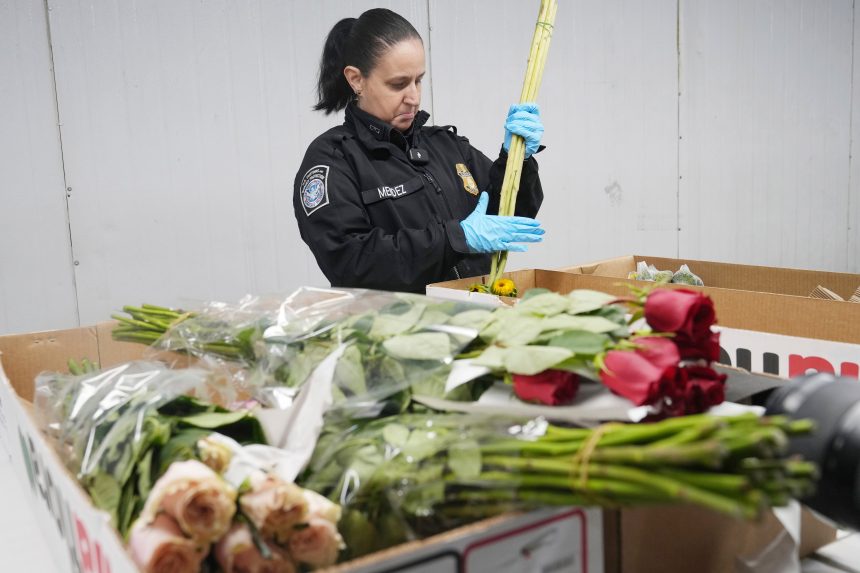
(609, 103)
(765, 120)
(853, 212)
(36, 280)
(185, 123)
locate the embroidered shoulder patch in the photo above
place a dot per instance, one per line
(468, 181)
(314, 189)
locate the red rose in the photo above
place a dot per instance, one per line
(632, 376)
(550, 387)
(684, 312)
(705, 388)
(706, 346)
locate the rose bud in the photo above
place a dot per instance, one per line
(550, 387)
(322, 507)
(681, 311)
(273, 505)
(200, 501)
(237, 553)
(318, 544)
(214, 454)
(160, 547)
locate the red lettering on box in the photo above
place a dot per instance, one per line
(798, 365)
(849, 369)
(84, 547)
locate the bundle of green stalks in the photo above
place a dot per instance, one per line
(736, 466)
(516, 153)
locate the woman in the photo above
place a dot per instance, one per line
(384, 201)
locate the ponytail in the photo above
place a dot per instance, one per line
(356, 42)
(333, 91)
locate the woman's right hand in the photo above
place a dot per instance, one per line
(491, 233)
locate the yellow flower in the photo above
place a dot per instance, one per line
(478, 287)
(504, 287)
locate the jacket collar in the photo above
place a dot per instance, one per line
(376, 134)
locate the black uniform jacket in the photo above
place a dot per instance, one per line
(375, 219)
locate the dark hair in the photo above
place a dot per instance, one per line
(356, 42)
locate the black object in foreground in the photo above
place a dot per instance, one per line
(834, 403)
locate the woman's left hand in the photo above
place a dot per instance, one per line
(524, 120)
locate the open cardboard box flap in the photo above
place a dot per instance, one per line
(762, 311)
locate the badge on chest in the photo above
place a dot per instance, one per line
(468, 181)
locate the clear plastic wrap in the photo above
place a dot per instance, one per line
(119, 429)
(409, 476)
(387, 344)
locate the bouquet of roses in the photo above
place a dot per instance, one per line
(183, 479)
(654, 348)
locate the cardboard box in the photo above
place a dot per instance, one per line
(768, 322)
(81, 539)
(588, 540)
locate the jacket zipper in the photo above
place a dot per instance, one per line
(438, 189)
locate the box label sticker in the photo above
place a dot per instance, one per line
(556, 544)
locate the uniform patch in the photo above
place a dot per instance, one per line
(314, 189)
(468, 181)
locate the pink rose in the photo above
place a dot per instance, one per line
(274, 506)
(318, 544)
(236, 553)
(160, 547)
(200, 501)
(322, 507)
(632, 376)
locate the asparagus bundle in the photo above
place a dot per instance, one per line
(516, 153)
(436, 471)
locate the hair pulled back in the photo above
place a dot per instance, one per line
(356, 42)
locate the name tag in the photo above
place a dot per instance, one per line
(384, 192)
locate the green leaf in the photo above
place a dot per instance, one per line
(477, 319)
(349, 372)
(181, 446)
(493, 357)
(431, 382)
(497, 322)
(420, 444)
(421, 501)
(531, 360)
(464, 459)
(105, 492)
(214, 420)
(596, 324)
(584, 300)
(532, 292)
(144, 474)
(519, 330)
(387, 325)
(421, 346)
(546, 304)
(395, 434)
(580, 341)
(432, 317)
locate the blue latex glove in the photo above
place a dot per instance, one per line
(524, 120)
(490, 233)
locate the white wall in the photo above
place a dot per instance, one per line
(37, 289)
(700, 128)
